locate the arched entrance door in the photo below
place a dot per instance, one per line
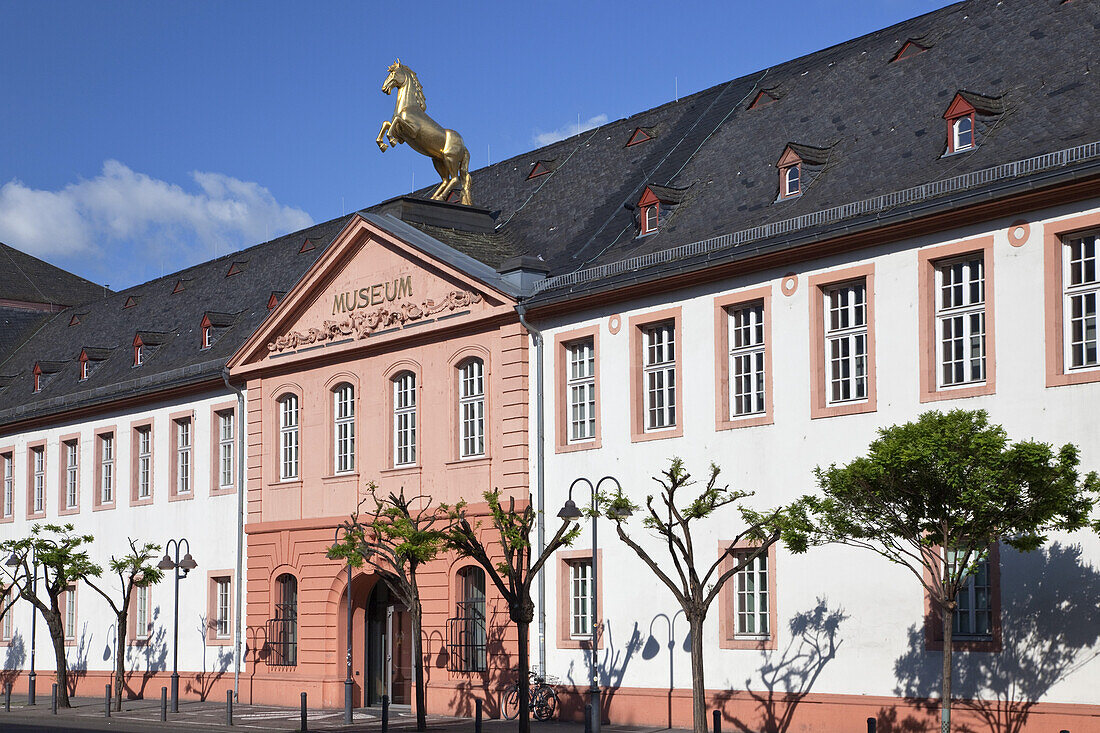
(389, 647)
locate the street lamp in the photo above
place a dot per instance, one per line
(187, 564)
(12, 562)
(571, 513)
(349, 684)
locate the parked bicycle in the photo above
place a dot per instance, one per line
(544, 701)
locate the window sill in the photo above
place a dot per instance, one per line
(578, 446)
(68, 512)
(987, 645)
(333, 477)
(182, 497)
(958, 393)
(844, 408)
(748, 421)
(103, 507)
(1080, 375)
(223, 492)
(401, 470)
(6, 520)
(571, 643)
(36, 515)
(146, 501)
(215, 641)
(641, 437)
(749, 644)
(472, 461)
(287, 484)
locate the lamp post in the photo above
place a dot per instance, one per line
(13, 561)
(187, 564)
(570, 512)
(349, 683)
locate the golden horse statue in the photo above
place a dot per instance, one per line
(411, 124)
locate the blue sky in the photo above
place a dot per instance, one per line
(139, 138)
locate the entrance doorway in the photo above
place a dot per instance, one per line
(389, 649)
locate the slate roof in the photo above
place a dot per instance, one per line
(29, 279)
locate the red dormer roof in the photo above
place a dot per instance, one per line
(909, 49)
(130, 302)
(639, 136)
(648, 198)
(762, 99)
(307, 246)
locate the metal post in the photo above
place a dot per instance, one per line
(163, 704)
(54, 703)
(385, 713)
(588, 718)
(594, 681)
(477, 715)
(349, 683)
(717, 721)
(229, 707)
(168, 564)
(107, 701)
(32, 677)
(7, 698)
(305, 723)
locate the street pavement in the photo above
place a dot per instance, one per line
(138, 716)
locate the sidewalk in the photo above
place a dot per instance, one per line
(86, 714)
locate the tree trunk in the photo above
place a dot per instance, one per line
(418, 665)
(61, 664)
(120, 657)
(698, 685)
(524, 688)
(945, 693)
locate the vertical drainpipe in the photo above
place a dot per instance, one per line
(238, 616)
(540, 478)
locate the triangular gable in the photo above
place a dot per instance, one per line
(307, 246)
(75, 320)
(273, 299)
(909, 49)
(648, 198)
(540, 168)
(762, 99)
(181, 285)
(130, 302)
(639, 136)
(235, 269)
(788, 158)
(368, 286)
(959, 107)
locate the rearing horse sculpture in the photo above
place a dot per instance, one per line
(411, 124)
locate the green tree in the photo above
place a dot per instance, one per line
(935, 494)
(135, 570)
(505, 554)
(672, 518)
(62, 557)
(399, 536)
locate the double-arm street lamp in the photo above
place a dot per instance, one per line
(14, 561)
(571, 513)
(180, 569)
(349, 683)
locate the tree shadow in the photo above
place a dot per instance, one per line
(492, 685)
(78, 668)
(610, 669)
(14, 660)
(204, 681)
(787, 676)
(154, 651)
(1050, 626)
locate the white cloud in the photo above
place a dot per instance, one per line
(122, 210)
(569, 130)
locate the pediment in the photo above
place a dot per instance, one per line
(369, 287)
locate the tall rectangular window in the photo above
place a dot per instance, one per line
(70, 613)
(144, 462)
(38, 491)
(960, 321)
(404, 419)
(846, 342)
(183, 456)
(659, 375)
(227, 442)
(106, 468)
(344, 427)
(581, 386)
(72, 474)
(974, 610)
(471, 408)
(7, 465)
(1081, 290)
(7, 624)
(751, 594)
(746, 360)
(141, 616)
(580, 599)
(288, 437)
(221, 608)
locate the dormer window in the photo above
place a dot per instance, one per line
(139, 353)
(83, 369)
(213, 324)
(798, 165)
(657, 204)
(649, 218)
(962, 133)
(37, 379)
(792, 180)
(962, 118)
(207, 339)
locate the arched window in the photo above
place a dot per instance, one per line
(343, 429)
(471, 408)
(792, 180)
(471, 619)
(283, 628)
(404, 419)
(649, 219)
(963, 133)
(288, 437)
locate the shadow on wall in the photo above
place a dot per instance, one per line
(611, 670)
(1050, 621)
(491, 685)
(788, 675)
(78, 668)
(14, 661)
(153, 651)
(205, 680)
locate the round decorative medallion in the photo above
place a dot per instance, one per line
(1018, 233)
(614, 323)
(789, 284)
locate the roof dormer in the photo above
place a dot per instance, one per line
(131, 301)
(43, 371)
(307, 246)
(797, 166)
(90, 356)
(655, 206)
(274, 299)
(182, 284)
(763, 98)
(541, 168)
(641, 135)
(967, 113)
(236, 268)
(146, 344)
(213, 325)
(912, 47)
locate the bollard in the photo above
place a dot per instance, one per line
(7, 698)
(163, 704)
(385, 713)
(229, 707)
(107, 701)
(477, 715)
(30, 690)
(871, 725)
(717, 721)
(54, 704)
(305, 723)
(588, 718)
